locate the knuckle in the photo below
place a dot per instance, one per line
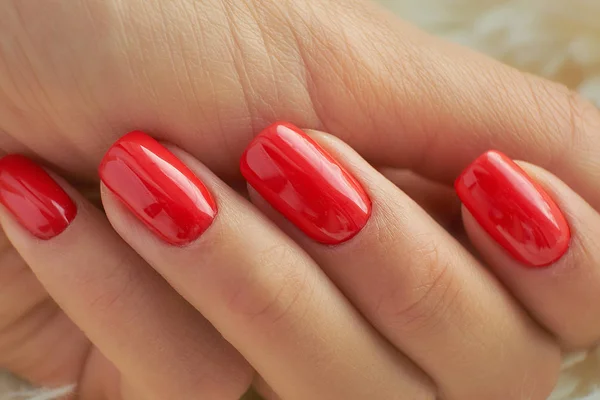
(566, 122)
(425, 298)
(557, 124)
(584, 122)
(114, 290)
(276, 288)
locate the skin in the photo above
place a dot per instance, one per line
(206, 77)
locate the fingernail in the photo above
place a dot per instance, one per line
(158, 188)
(514, 210)
(305, 184)
(37, 202)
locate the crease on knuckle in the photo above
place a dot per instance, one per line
(115, 288)
(429, 291)
(566, 122)
(240, 31)
(276, 289)
(584, 123)
(545, 118)
(333, 62)
(264, 77)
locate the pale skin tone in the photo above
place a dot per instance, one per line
(402, 311)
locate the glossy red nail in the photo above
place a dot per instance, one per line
(158, 188)
(39, 204)
(514, 210)
(305, 184)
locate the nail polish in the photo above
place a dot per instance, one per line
(158, 188)
(36, 201)
(514, 210)
(305, 184)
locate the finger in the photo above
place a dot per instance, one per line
(398, 96)
(37, 341)
(405, 273)
(264, 390)
(539, 237)
(156, 340)
(255, 285)
(20, 291)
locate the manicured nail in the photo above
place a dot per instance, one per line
(514, 210)
(305, 184)
(39, 204)
(158, 188)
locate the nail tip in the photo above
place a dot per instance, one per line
(157, 188)
(37, 201)
(304, 183)
(513, 209)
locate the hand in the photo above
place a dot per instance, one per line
(355, 292)
(389, 114)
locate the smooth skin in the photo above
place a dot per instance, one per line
(207, 77)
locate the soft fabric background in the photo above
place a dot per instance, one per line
(558, 39)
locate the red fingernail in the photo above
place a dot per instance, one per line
(34, 198)
(305, 184)
(158, 188)
(514, 210)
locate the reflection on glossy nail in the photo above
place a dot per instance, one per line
(514, 210)
(304, 183)
(34, 198)
(158, 188)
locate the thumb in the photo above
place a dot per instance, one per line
(209, 79)
(405, 99)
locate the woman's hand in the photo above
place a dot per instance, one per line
(354, 292)
(207, 77)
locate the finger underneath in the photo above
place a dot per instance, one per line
(547, 255)
(262, 292)
(128, 311)
(437, 199)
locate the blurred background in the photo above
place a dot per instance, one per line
(558, 39)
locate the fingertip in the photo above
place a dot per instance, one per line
(555, 277)
(514, 209)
